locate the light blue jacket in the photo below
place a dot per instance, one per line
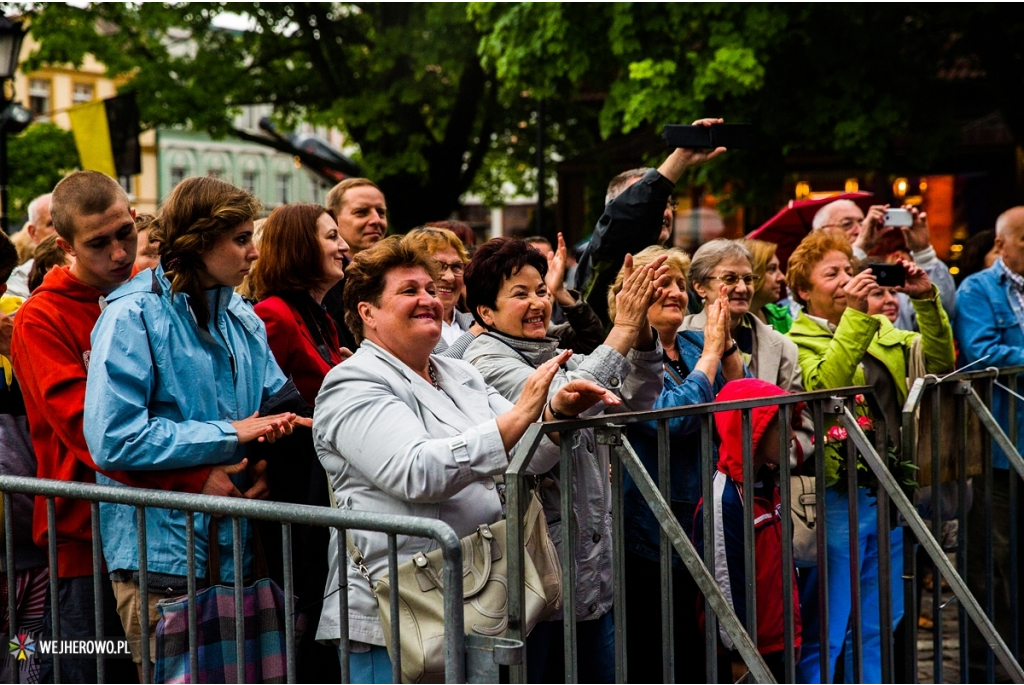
(162, 394)
(988, 324)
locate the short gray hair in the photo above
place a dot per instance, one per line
(621, 182)
(824, 215)
(711, 254)
(34, 208)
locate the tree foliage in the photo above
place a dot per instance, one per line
(442, 98)
(38, 158)
(871, 86)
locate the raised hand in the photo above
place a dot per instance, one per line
(717, 336)
(858, 288)
(535, 392)
(872, 228)
(683, 158)
(917, 285)
(577, 396)
(917, 236)
(264, 428)
(640, 289)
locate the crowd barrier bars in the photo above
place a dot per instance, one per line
(825, 407)
(483, 655)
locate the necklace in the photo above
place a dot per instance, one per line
(433, 377)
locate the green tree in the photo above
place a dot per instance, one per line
(38, 158)
(872, 86)
(403, 80)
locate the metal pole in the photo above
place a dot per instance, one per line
(3, 170)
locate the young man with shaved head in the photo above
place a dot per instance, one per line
(989, 326)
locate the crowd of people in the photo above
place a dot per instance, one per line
(309, 357)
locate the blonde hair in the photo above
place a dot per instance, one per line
(761, 252)
(677, 259)
(808, 253)
(198, 212)
(432, 239)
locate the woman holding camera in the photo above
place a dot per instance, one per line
(841, 345)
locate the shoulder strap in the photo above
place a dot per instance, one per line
(353, 551)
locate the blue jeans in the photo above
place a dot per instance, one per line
(369, 667)
(595, 651)
(839, 604)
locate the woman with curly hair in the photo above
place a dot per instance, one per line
(179, 370)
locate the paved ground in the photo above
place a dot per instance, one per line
(950, 641)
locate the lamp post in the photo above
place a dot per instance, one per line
(13, 117)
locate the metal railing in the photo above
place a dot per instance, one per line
(237, 509)
(971, 393)
(825, 407)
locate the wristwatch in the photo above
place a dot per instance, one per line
(735, 346)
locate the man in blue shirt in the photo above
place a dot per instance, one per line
(989, 325)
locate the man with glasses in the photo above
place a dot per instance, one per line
(866, 231)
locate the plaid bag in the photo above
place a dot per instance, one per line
(263, 609)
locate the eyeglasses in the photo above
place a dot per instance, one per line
(455, 267)
(732, 279)
(845, 224)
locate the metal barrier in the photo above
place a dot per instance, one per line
(972, 394)
(237, 508)
(824, 406)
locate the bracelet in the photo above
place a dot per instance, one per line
(557, 416)
(735, 346)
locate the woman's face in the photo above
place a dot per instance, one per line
(333, 247)
(884, 301)
(450, 284)
(771, 284)
(826, 298)
(228, 260)
(409, 315)
(666, 314)
(522, 308)
(730, 272)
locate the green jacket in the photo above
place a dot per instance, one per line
(832, 360)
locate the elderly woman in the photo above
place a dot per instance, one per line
(508, 296)
(768, 282)
(450, 257)
(696, 366)
(842, 344)
(401, 431)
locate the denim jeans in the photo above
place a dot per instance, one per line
(369, 668)
(839, 583)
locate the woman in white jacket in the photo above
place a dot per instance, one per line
(401, 431)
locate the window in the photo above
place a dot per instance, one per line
(82, 93)
(39, 100)
(249, 180)
(177, 175)
(283, 181)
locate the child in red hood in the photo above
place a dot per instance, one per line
(729, 516)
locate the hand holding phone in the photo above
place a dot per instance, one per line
(889, 275)
(730, 136)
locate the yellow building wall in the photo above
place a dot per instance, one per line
(62, 80)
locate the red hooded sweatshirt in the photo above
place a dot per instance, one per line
(729, 568)
(50, 351)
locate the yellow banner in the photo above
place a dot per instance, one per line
(92, 137)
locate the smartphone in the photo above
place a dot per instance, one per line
(732, 136)
(889, 275)
(899, 217)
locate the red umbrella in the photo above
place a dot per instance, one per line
(787, 228)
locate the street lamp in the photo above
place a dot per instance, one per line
(13, 117)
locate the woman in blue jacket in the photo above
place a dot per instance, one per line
(178, 371)
(697, 365)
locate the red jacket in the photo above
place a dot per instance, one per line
(729, 516)
(50, 351)
(294, 348)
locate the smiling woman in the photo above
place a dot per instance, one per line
(402, 431)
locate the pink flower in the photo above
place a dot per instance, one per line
(836, 434)
(865, 422)
(859, 399)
